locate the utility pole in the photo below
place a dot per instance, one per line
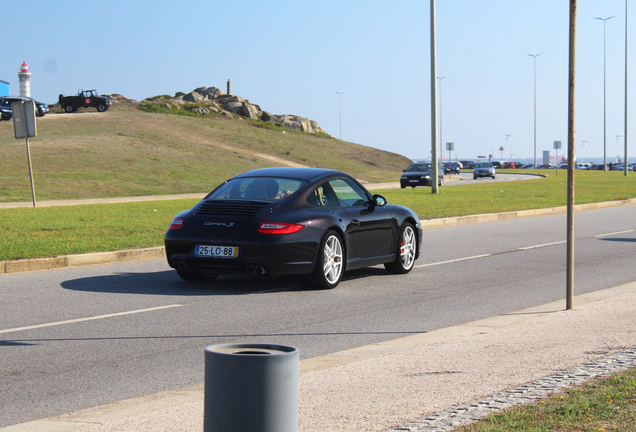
(569, 290)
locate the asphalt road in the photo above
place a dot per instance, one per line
(81, 337)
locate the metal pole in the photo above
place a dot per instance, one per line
(604, 90)
(340, 94)
(571, 156)
(584, 145)
(30, 171)
(626, 155)
(435, 170)
(441, 128)
(534, 56)
(508, 138)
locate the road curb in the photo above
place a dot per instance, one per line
(30, 264)
(492, 217)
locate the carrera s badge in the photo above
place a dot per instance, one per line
(224, 224)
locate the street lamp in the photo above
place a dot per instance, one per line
(626, 152)
(340, 94)
(440, 119)
(535, 106)
(604, 90)
(508, 138)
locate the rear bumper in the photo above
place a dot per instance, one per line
(275, 254)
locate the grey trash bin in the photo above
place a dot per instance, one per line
(251, 388)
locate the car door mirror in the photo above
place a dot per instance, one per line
(379, 200)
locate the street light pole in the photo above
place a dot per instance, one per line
(604, 90)
(534, 56)
(340, 95)
(440, 119)
(626, 153)
(434, 138)
(508, 137)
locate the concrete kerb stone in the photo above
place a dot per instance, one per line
(30, 264)
(492, 217)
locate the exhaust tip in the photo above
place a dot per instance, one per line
(259, 270)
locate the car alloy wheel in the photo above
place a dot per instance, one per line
(405, 251)
(332, 260)
(328, 270)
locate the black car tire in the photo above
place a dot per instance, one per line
(102, 108)
(493, 177)
(70, 109)
(329, 267)
(405, 252)
(196, 275)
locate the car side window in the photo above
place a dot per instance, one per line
(349, 194)
(323, 196)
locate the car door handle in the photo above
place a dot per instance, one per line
(355, 222)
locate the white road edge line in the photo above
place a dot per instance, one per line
(88, 319)
(614, 233)
(543, 245)
(452, 261)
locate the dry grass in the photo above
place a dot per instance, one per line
(127, 152)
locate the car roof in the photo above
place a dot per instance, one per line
(289, 172)
(17, 97)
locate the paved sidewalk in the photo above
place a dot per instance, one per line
(406, 383)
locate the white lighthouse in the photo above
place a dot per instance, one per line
(25, 80)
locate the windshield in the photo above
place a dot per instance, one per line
(419, 167)
(483, 165)
(257, 188)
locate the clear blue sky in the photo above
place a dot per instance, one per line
(292, 57)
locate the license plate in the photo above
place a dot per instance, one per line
(216, 251)
(413, 181)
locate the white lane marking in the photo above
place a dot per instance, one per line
(88, 319)
(523, 248)
(452, 261)
(614, 233)
(543, 245)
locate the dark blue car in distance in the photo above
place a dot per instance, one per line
(420, 174)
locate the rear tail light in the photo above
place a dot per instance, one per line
(177, 223)
(278, 228)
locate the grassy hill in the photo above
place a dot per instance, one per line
(129, 152)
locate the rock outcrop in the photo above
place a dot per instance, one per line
(204, 100)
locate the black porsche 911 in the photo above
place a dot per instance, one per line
(311, 222)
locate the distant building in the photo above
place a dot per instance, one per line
(4, 88)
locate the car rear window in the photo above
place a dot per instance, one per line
(257, 188)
